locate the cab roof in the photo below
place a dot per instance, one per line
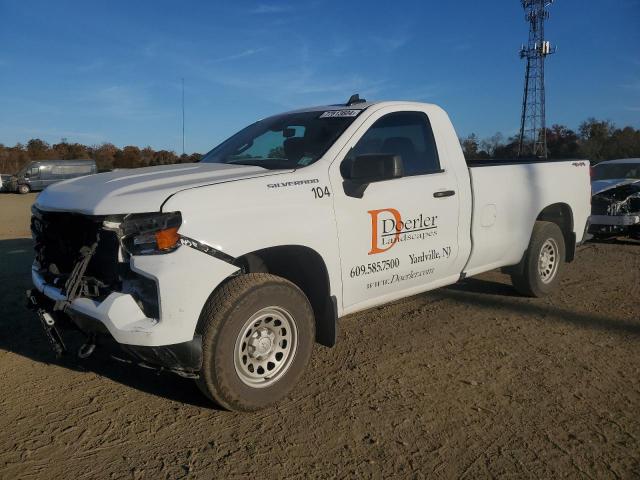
(354, 103)
(357, 106)
(339, 106)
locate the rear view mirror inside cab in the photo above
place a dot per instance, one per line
(288, 132)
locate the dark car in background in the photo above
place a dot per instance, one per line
(38, 175)
(615, 203)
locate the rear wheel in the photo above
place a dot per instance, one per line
(23, 189)
(543, 262)
(257, 336)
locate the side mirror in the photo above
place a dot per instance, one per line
(362, 170)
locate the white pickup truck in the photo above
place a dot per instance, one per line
(227, 270)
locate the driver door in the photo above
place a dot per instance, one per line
(402, 235)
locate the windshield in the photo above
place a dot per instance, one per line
(615, 171)
(285, 141)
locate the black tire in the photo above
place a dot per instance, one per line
(530, 278)
(23, 189)
(222, 325)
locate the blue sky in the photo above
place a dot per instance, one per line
(109, 71)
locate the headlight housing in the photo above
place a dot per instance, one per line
(151, 233)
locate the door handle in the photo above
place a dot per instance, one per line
(444, 193)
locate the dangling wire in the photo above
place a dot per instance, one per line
(73, 285)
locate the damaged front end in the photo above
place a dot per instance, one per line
(83, 273)
(616, 211)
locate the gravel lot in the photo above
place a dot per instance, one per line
(468, 381)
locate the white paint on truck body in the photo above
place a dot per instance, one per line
(395, 241)
(519, 193)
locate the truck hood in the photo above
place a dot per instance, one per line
(138, 190)
(598, 186)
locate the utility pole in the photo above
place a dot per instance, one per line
(533, 129)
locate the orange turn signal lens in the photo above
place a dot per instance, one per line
(167, 239)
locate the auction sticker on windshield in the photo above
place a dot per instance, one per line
(340, 113)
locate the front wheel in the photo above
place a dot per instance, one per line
(23, 189)
(543, 261)
(257, 336)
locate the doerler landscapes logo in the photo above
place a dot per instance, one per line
(388, 228)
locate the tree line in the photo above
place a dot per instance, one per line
(595, 140)
(106, 155)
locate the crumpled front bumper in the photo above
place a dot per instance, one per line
(185, 278)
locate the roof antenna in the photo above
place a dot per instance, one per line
(355, 98)
(182, 115)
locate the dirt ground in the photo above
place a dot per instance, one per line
(465, 382)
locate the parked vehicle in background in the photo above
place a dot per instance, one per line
(615, 206)
(228, 269)
(38, 175)
(4, 181)
(613, 173)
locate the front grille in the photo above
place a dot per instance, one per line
(59, 237)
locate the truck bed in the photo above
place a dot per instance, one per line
(509, 198)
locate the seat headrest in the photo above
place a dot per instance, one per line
(399, 145)
(294, 148)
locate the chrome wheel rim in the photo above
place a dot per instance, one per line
(548, 260)
(265, 347)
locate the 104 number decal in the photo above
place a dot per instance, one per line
(374, 267)
(321, 192)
